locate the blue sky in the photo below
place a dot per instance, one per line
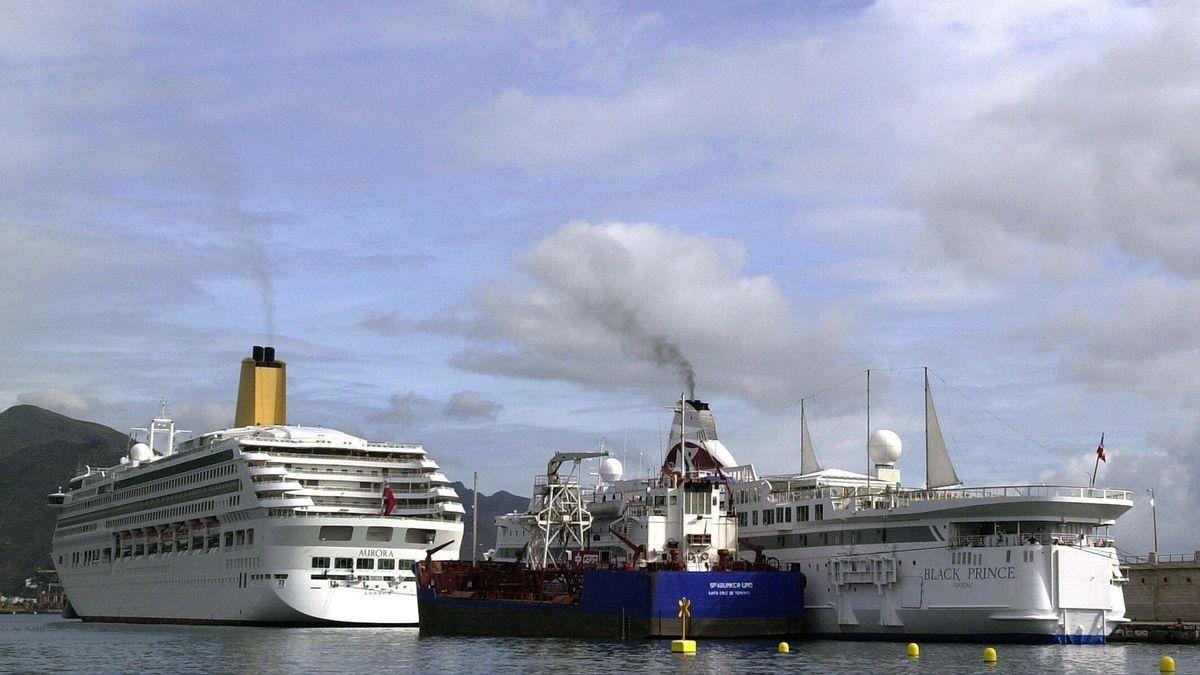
(469, 225)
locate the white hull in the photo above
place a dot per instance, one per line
(269, 583)
(1010, 593)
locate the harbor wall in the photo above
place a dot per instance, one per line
(1163, 588)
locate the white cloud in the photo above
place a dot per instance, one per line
(622, 305)
(60, 401)
(470, 405)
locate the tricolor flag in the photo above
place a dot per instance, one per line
(389, 500)
(1100, 451)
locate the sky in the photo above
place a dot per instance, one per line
(502, 229)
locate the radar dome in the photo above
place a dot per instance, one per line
(140, 452)
(611, 470)
(884, 447)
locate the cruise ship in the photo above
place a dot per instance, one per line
(264, 523)
(1011, 563)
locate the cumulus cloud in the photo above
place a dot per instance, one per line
(625, 305)
(470, 405)
(402, 409)
(1076, 160)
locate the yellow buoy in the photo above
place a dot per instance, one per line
(1166, 665)
(683, 646)
(913, 650)
(784, 648)
(989, 655)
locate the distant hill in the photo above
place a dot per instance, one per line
(40, 451)
(489, 507)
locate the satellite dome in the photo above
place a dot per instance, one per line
(611, 469)
(140, 452)
(884, 447)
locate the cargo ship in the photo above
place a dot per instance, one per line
(678, 540)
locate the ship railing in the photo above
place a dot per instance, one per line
(891, 498)
(1043, 538)
(1127, 559)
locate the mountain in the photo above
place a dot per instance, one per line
(489, 507)
(40, 451)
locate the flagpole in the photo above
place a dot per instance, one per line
(1097, 467)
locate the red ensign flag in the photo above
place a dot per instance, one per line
(389, 500)
(1100, 451)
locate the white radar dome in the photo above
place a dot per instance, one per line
(884, 447)
(140, 452)
(611, 470)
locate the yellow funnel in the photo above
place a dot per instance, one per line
(262, 390)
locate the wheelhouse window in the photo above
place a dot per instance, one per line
(365, 563)
(320, 562)
(386, 564)
(344, 563)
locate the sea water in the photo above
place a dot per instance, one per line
(49, 643)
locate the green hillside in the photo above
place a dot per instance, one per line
(40, 451)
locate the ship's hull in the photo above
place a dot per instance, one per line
(619, 604)
(270, 582)
(1025, 594)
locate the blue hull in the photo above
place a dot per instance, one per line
(634, 604)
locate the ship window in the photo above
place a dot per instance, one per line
(344, 563)
(385, 564)
(366, 563)
(416, 535)
(379, 534)
(802, 513)
(754, 517)
(335, 533)
(239, 538)
(320, 562)
(819, 512)
(250, 536)
(229, 538)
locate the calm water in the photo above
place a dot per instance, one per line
(50, 643)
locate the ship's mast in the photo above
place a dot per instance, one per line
(868, 430)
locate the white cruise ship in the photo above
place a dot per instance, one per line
(1017, 563)
(264, 523)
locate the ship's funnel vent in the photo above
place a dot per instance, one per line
(262, 390)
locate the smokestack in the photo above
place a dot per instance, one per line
(262, 390)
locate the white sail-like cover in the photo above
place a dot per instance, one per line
(939, 470)
(808, 456)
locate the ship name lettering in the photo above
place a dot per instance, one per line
(941, 574)
(983, 573)
(375, 553)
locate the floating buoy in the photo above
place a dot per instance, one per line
(913, 650)
(683, 646)
(784, 648)
(1166, 665)
(989, 655)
